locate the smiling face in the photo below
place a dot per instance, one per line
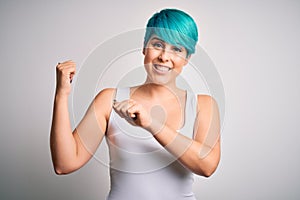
(163, 61)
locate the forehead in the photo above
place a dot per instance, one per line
(156, 37)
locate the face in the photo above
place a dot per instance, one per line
(163, 61)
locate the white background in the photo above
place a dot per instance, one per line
(254, 45)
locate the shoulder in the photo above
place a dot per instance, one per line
(105, 94)
(103, 101)
(206, 102)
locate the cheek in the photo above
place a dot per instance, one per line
(149, 56)
(146, 59)
(180, 62)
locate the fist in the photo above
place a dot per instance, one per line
(64, 75)
(152, 119)
(133, 112)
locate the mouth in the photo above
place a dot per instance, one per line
(161, 68)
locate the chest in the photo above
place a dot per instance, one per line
(169, 111)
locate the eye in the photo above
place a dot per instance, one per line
(177, 49)
(158, 45)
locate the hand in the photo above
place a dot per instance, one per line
(64, 75)
(137, 115)
(133, 112)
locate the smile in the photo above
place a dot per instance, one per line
(161, 68)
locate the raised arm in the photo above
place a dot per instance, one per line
(70, 150)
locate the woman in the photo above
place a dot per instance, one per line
(158, 134)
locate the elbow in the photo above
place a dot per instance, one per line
(210, 169)
(64, 167)
(59, 171)
(62, 170)
(206, 170)
(208, 166)
(208, 173)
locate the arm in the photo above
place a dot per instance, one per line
(202, 153)
(70, 150)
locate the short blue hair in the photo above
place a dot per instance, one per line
(174, 27)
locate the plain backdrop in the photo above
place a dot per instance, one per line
(254, 45)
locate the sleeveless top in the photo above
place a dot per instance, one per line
(141, 168)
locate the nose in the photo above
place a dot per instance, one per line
(164, 56)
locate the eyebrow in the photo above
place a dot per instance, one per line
(157, 38)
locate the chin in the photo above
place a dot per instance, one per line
(158, 80)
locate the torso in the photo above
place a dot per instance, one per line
(140, 167)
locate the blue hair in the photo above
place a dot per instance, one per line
(174, 27)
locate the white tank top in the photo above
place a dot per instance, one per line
(140, 168)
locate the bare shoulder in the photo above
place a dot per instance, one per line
(103, 101)
(106, 93)
(206, 103)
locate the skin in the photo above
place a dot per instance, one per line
(156, 106)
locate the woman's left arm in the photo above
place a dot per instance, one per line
(202, 153)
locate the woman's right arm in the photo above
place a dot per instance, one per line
(70, 150)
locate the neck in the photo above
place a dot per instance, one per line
(160, 91)
(157, 86)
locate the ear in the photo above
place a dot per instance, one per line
(144, 51)
(187, 59)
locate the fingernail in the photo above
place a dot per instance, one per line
(134, 117)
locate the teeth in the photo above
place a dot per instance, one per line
(162, 68)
